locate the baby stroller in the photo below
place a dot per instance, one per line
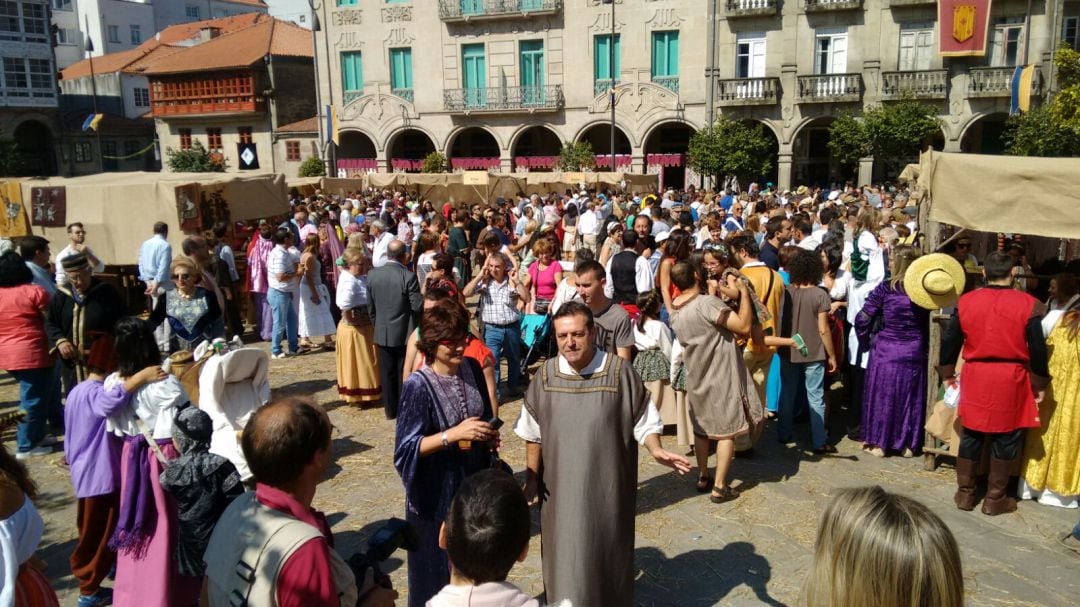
(232, 386)
(536, 336)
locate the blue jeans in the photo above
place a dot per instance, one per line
(505, 340)
(1076, 530)
(811, 375)
(285, 321)
(38, 395)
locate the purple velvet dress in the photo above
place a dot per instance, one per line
(894, 400)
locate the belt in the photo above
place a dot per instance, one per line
(509, 324)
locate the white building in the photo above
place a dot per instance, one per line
(297, 11)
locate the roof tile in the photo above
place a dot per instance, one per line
(240, 48)
(307, 125)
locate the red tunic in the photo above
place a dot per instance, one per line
(995, 383)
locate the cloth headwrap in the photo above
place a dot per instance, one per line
(75, 262)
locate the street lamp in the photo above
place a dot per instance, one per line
(326, 144)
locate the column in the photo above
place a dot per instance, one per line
(783, 171)
(866, 170)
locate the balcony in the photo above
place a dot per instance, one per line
(452, 11)
(671, 83)
(814, 6)
(504, 99)
(986, 82)
(911, 2)
(919, 84)
(601, 87)
(830, 88)
(348, 97)
(747, 91)
(231, 93)
(750, 8)
(406, 94)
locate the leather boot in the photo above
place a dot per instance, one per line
(965, 484)
(997, 500)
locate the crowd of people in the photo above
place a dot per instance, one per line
(691, 314)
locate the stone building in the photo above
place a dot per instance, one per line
(502, 84)
(28, 96)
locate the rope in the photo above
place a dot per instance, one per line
(139, 153)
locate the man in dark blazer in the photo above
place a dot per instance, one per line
(393, 303)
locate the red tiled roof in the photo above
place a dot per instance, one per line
(307, 125)
(239, 48)
(186, 31)
(248, 2)
(104, 64)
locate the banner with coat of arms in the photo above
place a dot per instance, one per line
(963, 27)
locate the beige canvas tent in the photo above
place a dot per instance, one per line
(120, 209)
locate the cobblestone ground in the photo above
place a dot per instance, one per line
(753, 551)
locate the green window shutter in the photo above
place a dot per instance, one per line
(602, 57)
(401, 68)
(346, 2)
(673, 54)
(665, 54)
(352, 71)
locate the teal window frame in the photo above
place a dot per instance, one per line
(347, 2)
(665, 54)
(602, 55)
(401, 73)
(352, 71)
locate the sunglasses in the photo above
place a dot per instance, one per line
(181, 276)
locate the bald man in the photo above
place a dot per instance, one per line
(394, 304)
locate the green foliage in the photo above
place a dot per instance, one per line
(434, 162)
(848, 139)
(1052, 129)
(577, 157)
(312, 167)
(196, 159)
(10, 158)
(730, 147)
(898, 130)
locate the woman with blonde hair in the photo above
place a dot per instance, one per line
(315, 317)
(190, 310)
(543, 277)
(357, 359)
(881, 549)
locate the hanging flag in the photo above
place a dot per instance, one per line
(248, 155)
(92, 121)
(331, 125)
(964, 27)
(1021, 89)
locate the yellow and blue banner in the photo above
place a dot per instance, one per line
(1022, 80)
(331, 124)
(92, 121)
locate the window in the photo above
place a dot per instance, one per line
(67, 36)
(41, 77)
(114, 34)
(142, 97)
(292, 151)
(602, 68)
(15, 77)
(35, 21)
(474, 74)
(750, 55)
(401, 69)
(916, 46)
(245, 134)
(352, 72)
(9, 21)
(83, 152)
(192, 12)
(346, 2)
(185, 139)
(830, 51)
(130, 148)
(1070, 33)
(136, 35)
(665, 54)
(1006, 41)
(61, 5)
(213, 140)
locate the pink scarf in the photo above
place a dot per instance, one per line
(258, 254)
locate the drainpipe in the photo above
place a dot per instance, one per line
(268, 60)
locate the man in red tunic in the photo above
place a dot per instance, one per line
(1005, 370)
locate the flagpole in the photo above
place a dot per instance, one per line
(93, 92)
(1027, 32)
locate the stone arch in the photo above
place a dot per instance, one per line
(410, 143)
(983, 134)
(453, 137)
(812, 164)
(35, 141)
(356, 143)
(619, 128)
(516, 138)
(533, 146)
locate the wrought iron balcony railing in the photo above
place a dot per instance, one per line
(671, 83)
(406, 94)
(917, 84)
(827, 88)
(601, 86)
(348, 97)
(747, 91)
(547, 98)
(464, 10)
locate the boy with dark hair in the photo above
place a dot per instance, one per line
(485, 532)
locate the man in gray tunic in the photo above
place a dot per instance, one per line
(582, 419)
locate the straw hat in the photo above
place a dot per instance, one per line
(934, 281)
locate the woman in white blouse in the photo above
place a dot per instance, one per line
(357, 360)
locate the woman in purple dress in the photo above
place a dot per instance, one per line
(894, 396)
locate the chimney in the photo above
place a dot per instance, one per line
(209, 33)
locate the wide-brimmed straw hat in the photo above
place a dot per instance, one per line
(934, 281)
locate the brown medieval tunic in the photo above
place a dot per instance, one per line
(589, 472)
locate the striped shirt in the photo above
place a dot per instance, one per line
(282, 261)
(498, 303)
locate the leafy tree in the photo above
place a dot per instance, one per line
(10, 158)
(195, 159)
(1065, 106)
(1052, 129)
(730, 147)
(898, 130)
(577, 157)
(312, 167)
(434, 162)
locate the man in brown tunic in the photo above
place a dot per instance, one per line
(582, 418)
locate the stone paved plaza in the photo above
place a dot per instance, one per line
(753, 551)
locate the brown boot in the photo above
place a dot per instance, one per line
(997, 500)
(965, 484)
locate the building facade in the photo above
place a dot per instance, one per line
(502, 84)
(28, 95)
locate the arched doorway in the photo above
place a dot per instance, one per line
(773, 153)
(599, 137)
(985, 136)
(537, 149)
(356, 153)
(408, 149)
(665, 153)
(812, 163)
(35, 142)
(474, 149)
